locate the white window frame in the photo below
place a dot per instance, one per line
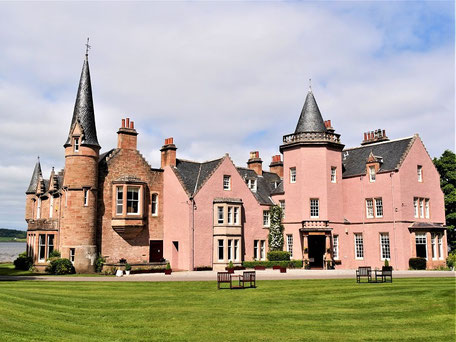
(154, 204)
(385, 247)
(220, 214)
(282, 206)
(262, 249)
(236, 249)
(119, 202)
(226, 182)
(314, 208)
(290, 244)
(72, 254)
(221, 249)
(236, 215)
(133, 200)
(419, 171)
(86, 197)
(292, 174)
(230, 250)
(415, 206)
(50, 239)
(333, 174)
(440, 243)
(38, 208)
(41, 246)
(230, 215)
(421, 239)
(378, 207)
(359, 246)
(266, 218)
(426, 208)
(256, 249)
(76, 144)
(51, 206)
(336, 247)
(372, 175)
(434, 246)
(421, 208)
(252, 184)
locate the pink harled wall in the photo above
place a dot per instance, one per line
(252, 213)
(177, 220)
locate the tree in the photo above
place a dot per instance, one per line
(276, 229)
(446, 165)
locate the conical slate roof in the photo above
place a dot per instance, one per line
(83, 109)
(310, 119)
(37, 175)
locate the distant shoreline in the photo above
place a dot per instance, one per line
(3, 239)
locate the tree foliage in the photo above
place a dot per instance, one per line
(446, 165)
(275, 238)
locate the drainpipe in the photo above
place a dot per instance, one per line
(394, 219)
(193, 232)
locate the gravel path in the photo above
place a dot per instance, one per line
(212, 276)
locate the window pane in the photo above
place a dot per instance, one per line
(314, 208)
(369, 208)
(359, 246)
(378, 207)
(290, 245)
(336, 247)
(220, 249)
(132, 200)
(154, 204)
(219, 215)
(119, 200)
(230, 245)
(385, 246)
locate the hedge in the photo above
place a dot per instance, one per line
(60, 266)
(270, 264)
(278, 256)
(417, 263)
(23, 262)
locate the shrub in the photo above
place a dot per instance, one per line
(275, 236)
(417, 263)
(99, 263)
(60, 266)
(278, 256)
(168, 266)
(451, 260)
(127, 267)
(23, 262)
(270, 264)
(54, 254)
(386, 263)
(230, 264)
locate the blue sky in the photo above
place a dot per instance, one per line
(219, 76)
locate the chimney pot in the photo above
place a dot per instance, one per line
(132, 125)
(123, 123)
(127, 122)
(384, 133)
(365, 136)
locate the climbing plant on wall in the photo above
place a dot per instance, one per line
(276, 229)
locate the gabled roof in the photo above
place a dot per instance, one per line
(36, 177)
(310, 119)
(392, 154)
(193, 174)
(265, 184)
(83, 112)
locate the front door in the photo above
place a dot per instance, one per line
(156, 251)
(316, 250)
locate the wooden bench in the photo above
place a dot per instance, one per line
(384, 274)
(364, 272)
(224, 278)
(248, 277)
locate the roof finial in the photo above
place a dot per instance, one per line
(310, 85)
(87, 48)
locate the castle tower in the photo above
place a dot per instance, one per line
(30, 201)
(80, 182)
(313, 181)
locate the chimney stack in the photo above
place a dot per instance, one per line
(255, 163)
(276, 165)
(127, 135)
(168, 153)
(328, 126)
(374, 136)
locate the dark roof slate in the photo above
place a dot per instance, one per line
(310, 119)
(265, 184)
(194, 174)
(392, 152)
(36, 176)
(83, 109)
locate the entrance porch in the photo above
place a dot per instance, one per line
(317, 251)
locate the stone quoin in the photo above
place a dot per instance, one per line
(343, 207)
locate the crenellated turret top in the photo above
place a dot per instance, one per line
(83, 113)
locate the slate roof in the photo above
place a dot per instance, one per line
(265, 184)
(36, 176)
(83, 109)
(194, 174)
(310, 119)
(392, 153)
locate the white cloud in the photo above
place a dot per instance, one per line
(219, 77)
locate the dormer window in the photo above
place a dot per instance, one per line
(76, 144)
(419, 171)
(371, 174)
(252, 184)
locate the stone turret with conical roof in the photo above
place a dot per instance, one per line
(37, 178)
(310, 119)
(80, 182)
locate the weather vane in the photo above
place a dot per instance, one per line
(87, 46)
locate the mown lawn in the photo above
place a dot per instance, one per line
(417, 309)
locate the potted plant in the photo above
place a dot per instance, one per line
(306, 264)
(283, 270)
(127, 269)
(168, 269)
(276, 267)
(259, 267)
(230, 267)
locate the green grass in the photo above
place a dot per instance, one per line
(413, 309)
(11, 239)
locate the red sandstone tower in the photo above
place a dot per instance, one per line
(80, 183)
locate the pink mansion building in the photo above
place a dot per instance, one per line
(343, 207)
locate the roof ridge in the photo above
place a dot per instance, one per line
(196, 162)
(378, 143)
